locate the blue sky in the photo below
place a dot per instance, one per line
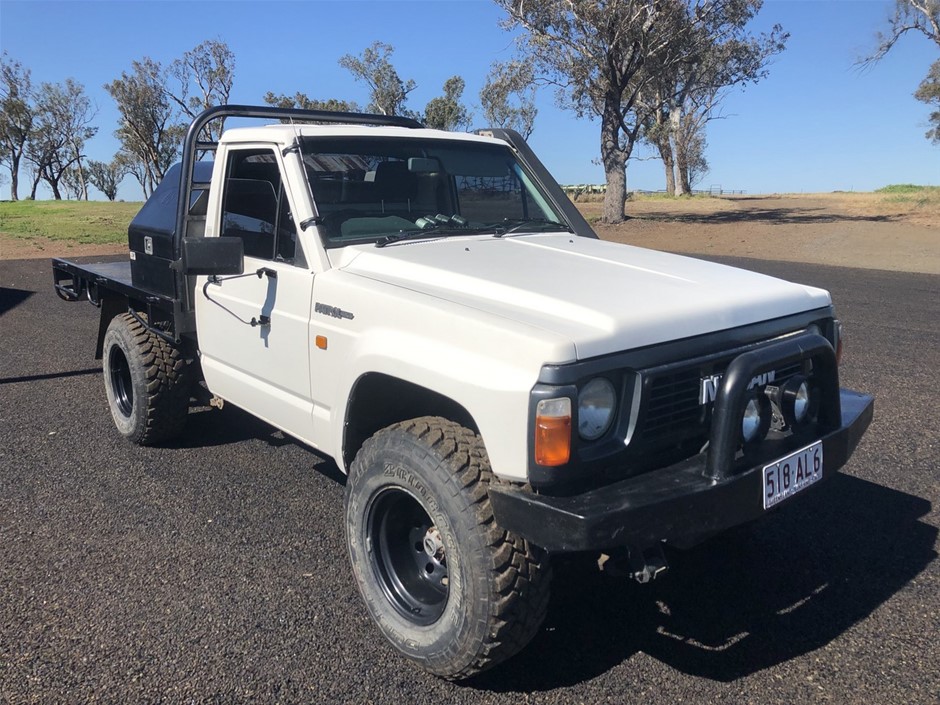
(817, 123)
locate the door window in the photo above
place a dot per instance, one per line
(255, 207)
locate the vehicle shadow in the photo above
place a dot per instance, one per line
(750, 599)
(51, 375)
(11, 298)
(774, 216)
(208, 427)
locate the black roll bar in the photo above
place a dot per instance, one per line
(192, 145)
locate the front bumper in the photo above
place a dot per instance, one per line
(680, 504)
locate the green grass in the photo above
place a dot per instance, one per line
(912, 194)
(906, 188)
(84, 222)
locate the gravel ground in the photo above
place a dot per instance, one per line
(215, 570)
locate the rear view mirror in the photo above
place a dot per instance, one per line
(213, 255)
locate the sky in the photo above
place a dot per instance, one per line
(817, 123)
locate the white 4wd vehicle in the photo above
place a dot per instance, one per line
(431, 311)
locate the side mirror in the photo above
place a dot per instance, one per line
(213, 255)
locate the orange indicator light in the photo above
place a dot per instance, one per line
(553, 432)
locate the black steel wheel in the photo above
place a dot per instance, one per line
(120, 373)
(409, 560)
(146, 380)
(445, 584)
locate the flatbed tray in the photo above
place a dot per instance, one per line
(74, 281)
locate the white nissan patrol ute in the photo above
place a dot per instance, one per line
(429, 309)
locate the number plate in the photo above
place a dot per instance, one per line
(793, 473)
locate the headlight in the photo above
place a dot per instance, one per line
(596, 402)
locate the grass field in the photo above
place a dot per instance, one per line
(45, 226)
(83, 222)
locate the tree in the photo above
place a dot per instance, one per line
(304, 102)
(447, 112)
(149, 130)
(929, 92)
(695, 165)
(606, 57)
(106, 176)
(595, 52)
(16, 116)
(388, 93)
(62, 125)
(205, 75)
(909, 16)
(916, 16)
(508, 97)
(73, 185)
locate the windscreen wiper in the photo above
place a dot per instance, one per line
(533, 224)
(432, 232)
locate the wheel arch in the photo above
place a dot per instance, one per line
(378, 400)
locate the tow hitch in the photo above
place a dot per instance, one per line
(643, 565)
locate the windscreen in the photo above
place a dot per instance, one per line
(366, 188)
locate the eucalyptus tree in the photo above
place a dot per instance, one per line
(149, 128)
(106, 176)
(920, 17)
(447, 112)
(388, 93)
(608, 59)
(62, 126)
(303, 101)
(508, 96)
(16, 116)
(204, 78)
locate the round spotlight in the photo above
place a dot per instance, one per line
(596, 402)
(796, 400)
(756, 419)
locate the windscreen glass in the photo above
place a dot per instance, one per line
(366, 189)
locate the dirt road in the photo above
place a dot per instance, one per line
(845, 230)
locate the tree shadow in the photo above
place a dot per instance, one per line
(11, 298)
(771, 216)
(753, 598)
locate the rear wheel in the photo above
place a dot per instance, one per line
(447, 587)
(146, 379)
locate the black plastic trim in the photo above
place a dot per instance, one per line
(676, 504)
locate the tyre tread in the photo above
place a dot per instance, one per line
(520, 571)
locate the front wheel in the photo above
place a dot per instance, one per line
(447, 587)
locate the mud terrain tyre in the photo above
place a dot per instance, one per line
(147, 382)
(446, 585)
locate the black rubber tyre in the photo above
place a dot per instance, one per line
(446, 585)
(146, 380)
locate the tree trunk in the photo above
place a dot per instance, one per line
(682, 161)
(15, 179)
(32, 193)
(669, 164)
(682, 167)
(54, 185)
(615, 163)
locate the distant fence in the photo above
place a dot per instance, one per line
(575, 190)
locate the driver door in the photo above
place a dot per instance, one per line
(254, 329)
